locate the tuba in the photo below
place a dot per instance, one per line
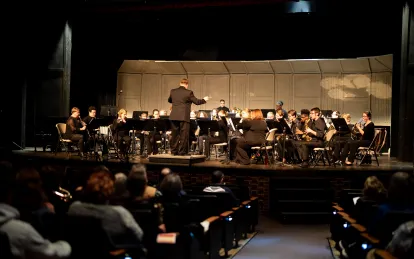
(305, 135)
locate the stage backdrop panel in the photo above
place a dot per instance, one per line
(349, 86)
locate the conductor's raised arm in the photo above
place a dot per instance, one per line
(196, 101)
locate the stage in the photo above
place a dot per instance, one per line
(289, 192)
(387, 164)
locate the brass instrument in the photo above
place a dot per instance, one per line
(305, 135)
(355, 134)
(63, 194)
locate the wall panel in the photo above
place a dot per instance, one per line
(261, 89)
(238, 87)
(284, 90)
(217, 87)
(348, 93)
(151, 92)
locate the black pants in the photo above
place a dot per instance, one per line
(290, 149)
(142, 143)
(243, 150)
(123, 143)
(208, 142)
(180, 134)
(152, 142)
(304, 146)
(338, 144)
(351, 147)
(77, 139)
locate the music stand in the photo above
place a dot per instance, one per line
(284, 129)
(208, 126)
(233, 128)
(271, 124)
(326, 113)
(206, 111)
(137, 114)
(157, 125)
(107, 110)
(265, 111)
(164, 117)
(341, 126)
(93, 125)
(231, 115)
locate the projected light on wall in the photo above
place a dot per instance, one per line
(300, 7)
(355, 85)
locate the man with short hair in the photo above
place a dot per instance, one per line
(181, 99)
(218, 185)
(279, 106)
(316, 131)
(222, 106)
(75, 129)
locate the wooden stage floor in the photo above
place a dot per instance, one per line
(387, 164)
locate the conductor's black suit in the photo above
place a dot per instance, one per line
(181, 99)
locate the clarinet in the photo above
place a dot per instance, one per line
(84, 125)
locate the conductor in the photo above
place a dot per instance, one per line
(181, 99)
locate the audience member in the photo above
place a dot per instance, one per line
(116, 220)
(25, 241)
(400, 197)
(137, 184)
(402, 243)
(218, 185)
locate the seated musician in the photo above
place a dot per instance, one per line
(280, 114)
(213, 115)
(74, 129)
(153, 137)
(367, 135)
(202, 115)
(163, 113)
(121, 132)
(141, 135)
(312, 136)
(270, 116)
(193, 115)
(215, 138)
(91, 136)
(347, 118)
(289, 145)
(254, 135)
(223, 106)
(341, 139)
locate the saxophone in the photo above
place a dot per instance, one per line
(305, 135)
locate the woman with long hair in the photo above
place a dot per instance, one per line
(254, 134)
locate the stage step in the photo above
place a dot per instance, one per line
(305, 217)
(300, 197)
(300, 193)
